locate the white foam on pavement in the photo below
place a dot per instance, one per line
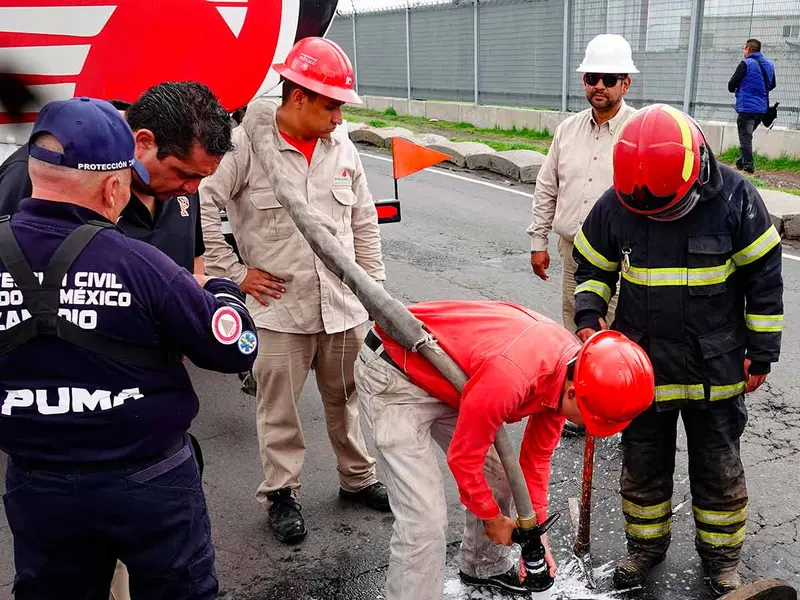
(570, 585)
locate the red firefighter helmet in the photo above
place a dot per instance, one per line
(321, 66)
(614, 382)
(660, 162)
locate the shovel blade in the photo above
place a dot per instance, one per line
(585, 563)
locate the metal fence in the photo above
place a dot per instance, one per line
(525, 52)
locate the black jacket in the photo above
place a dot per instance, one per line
(698, 294)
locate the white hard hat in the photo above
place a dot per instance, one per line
(608, 53)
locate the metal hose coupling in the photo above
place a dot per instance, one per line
(534, 571)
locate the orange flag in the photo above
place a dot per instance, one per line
(409, 158)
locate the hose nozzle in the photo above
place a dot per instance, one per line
(534, 572)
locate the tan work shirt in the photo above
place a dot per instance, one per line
(335, 183)
(576, 172)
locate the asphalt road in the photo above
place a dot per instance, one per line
(465, 240)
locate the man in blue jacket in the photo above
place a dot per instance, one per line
(95, 403)
(752, 82)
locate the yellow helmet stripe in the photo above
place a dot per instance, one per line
(686, 139)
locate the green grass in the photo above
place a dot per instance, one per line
(760, 183)
(390, 115)
(764, 163)
(501, 146)
(377, 123)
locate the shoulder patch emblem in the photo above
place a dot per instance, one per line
(248, 342)
(226, 325)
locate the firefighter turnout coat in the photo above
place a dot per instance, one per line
(699, 294)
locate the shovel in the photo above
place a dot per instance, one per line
(582, 516)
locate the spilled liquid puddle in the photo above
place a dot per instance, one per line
(570, 585)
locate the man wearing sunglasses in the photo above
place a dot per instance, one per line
(578, 167)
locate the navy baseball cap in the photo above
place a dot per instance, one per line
(94, 135)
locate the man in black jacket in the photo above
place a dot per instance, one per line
(701, 292)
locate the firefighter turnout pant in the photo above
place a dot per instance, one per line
(405, 423)
(716, 478)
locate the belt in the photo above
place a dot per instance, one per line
(375, 343)
(33, 464)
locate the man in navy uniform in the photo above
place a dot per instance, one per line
(177, 147)
(95, 403)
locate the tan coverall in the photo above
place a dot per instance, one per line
(318, 322)
(576, 172)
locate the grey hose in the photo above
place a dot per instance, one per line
(392, 316)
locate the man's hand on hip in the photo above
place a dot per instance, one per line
(499, 529)
(540, 261)
(260, 283)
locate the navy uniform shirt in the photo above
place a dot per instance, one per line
(60, 402)
(174, 229)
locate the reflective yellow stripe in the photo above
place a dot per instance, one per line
(765, 242)
(598, 287)
(648, 532)
(722, 539)
(592, 255)
(646, 512)
(679, 391)
(765, 323)
(695, 391)
(686, 139)
(720, 517)
(723, 392)
(680, 275)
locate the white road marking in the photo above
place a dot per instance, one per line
(461, 177)
(498, 187)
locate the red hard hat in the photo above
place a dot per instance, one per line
(659, 160)
(321, 66)
(614, 382)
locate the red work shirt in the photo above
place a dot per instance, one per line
(516, 362)
(304, 146)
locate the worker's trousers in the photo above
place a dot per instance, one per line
(568, 288)
(71, 524)
(716, 479)
(405, 423)
(281, 369)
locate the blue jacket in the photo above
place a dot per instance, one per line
(748, 84)
(61, 402)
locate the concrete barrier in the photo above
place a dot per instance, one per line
(784, 209)
(519, 165)
(460, 152)
(773, 143)
(377, 136)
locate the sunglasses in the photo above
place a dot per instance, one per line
(608, 80)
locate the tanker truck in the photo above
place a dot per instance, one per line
(116, 49)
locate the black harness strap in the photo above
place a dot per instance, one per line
(43, 301)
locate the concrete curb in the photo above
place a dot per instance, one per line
(524, 165)
(460, 152)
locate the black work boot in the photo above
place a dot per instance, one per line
(573, 430)
(374, 496)
(508, 582)
(285, 517)
(722, 581)
(248, 383)
(632, 571)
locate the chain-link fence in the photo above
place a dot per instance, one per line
(525, 52)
